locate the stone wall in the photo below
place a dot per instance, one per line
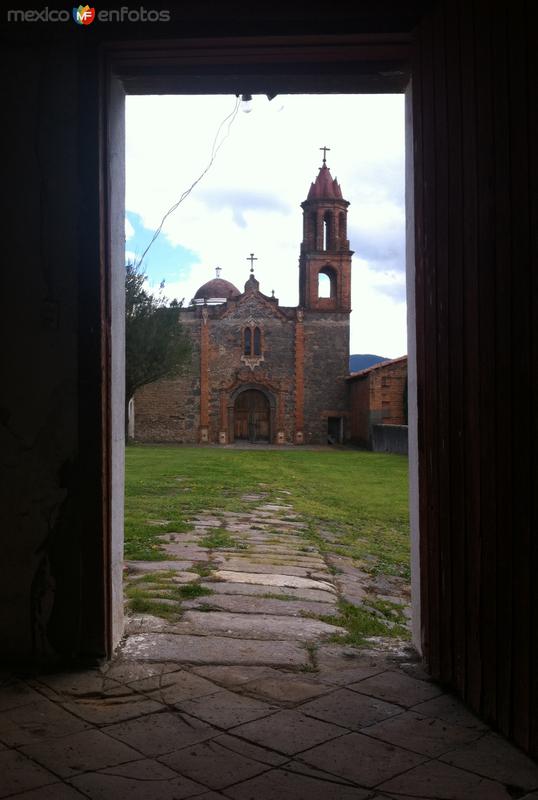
(326, 368)
(169, 411)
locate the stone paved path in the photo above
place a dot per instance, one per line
(242, 697)
(272, 597)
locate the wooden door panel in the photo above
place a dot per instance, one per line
(251, 416)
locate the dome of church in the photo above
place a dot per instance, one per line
(325, 186)
(216, 289)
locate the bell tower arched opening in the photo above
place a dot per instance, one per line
(327, 283)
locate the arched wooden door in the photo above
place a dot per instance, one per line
(251, 416)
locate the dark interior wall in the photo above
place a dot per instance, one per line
(40, 561)
(475, 153)
(53, 564)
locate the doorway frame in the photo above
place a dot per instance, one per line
(329, 64)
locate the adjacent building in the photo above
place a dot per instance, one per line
(378, 397)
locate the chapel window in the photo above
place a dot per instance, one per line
(252, 341)
(257, 342)
(247, 349)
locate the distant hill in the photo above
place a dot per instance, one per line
(359, 361)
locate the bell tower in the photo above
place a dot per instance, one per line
(325, 260)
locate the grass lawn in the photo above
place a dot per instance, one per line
(359, 497)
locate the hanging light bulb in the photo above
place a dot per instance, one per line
(246, 103)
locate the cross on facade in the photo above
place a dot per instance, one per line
(252, 259)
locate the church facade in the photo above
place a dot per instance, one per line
(259, 371)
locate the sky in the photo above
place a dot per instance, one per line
(249, 199)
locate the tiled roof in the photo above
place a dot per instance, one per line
(381, 364)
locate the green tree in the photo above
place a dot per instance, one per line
(156, 345)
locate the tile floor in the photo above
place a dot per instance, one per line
(364, 725)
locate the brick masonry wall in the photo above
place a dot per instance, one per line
(387, 386)
(326, 368)
(377, 398)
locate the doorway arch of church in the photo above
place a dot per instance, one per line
(251, 414)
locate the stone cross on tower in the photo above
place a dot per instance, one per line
(252, 259)
(325, 149)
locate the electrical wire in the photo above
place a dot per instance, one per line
(214, 151)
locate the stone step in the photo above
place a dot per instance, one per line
(255, 626)
(272, 580)
(158, 647)
(243, 604)
(282, 550)
(252, 558)
(240, 565)
(185, 552)
(257, 590)
(157, 566)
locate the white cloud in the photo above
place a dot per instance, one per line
(129, 230)
(249, 201)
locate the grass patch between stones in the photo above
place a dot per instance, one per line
(203, 570)
(139, 602)
(360, 624)
(189, 591)
(221, 539)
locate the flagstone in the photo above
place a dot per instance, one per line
(269, 579)
(236, 675)
(213, 764)
(139, 780)
(226, 709)
(80, 752)
(20, 773)
(244, 604)
(214, 650)
(240, 565)
(255, 626)
(156, 566)
(260, 590)
(291, 559)
(281, 784)
(360, 759)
